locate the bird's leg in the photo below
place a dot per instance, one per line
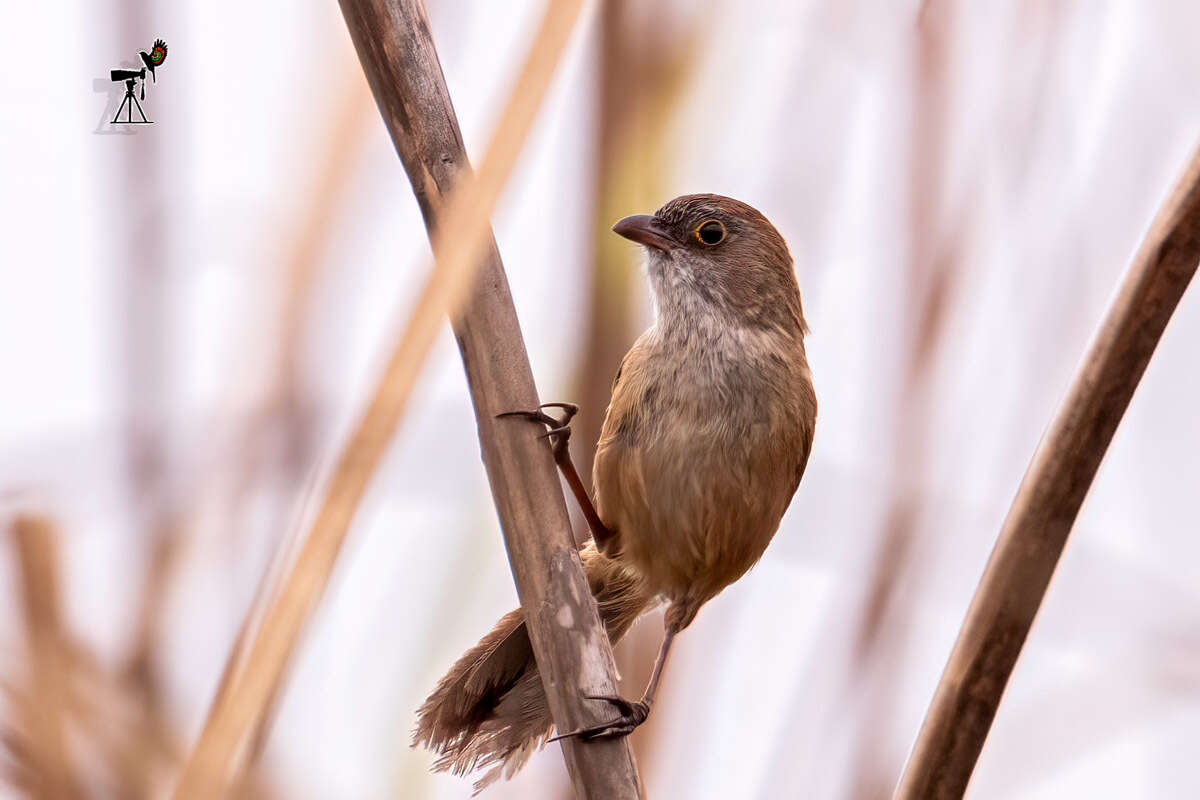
(559, 432)
(630, 715)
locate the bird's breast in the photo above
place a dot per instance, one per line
(698, 458)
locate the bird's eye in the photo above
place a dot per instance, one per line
(711, 232)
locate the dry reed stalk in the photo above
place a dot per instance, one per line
(460, 240)
(410, 89)
(1048, 500)
(46, 716)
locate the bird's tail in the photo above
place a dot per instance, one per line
(490, 710)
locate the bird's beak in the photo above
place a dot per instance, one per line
(646, 230)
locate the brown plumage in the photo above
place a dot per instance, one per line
(705, 440)
(489, 711)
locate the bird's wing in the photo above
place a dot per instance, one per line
(158, 53)
(621, 399)
(616, 473)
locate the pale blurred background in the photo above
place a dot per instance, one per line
(193, 313)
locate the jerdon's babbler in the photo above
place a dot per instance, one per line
(706, 437)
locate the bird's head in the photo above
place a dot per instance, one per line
(716, 254)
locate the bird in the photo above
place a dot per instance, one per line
(155, 58)
(707, 434)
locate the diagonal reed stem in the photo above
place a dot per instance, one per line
(574, 657)
(1048, 500)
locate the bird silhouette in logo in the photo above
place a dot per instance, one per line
(156, 56)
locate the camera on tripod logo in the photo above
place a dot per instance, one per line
(131, 77)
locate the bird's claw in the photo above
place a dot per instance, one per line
(558, 430)
(540, 416)
(631, 714)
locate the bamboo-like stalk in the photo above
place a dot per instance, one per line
(394, 44)
(1048, 500)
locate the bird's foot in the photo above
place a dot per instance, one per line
(558, 429)
(630, 715)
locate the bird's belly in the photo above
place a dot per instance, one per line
(704, 508)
